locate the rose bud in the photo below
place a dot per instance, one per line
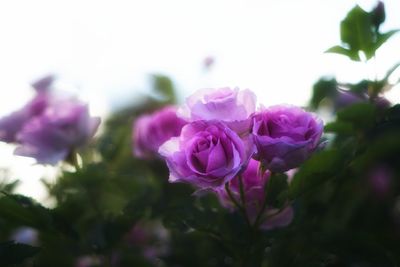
(63, 126)
(254, 195)
(231, 106)
(285, 136)
(207, 154)
(152, 130)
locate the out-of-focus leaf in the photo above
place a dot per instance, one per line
(323, 88)
(25, 211)
(164, 86)
(337, 49)
(360, 115)
(382, 38)
(277, 186)
(356, 32)
(319, 168)
(339, 127)
(9, 187)
(13, 253)
(359, 32)
(386, 147)
(360, 87)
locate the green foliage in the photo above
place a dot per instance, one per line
(276, 190)
(12, 253)
(360, 115)
(322, 89)
(318, 169)
(164, 87)
(359, 33)
(22, 210)
(339, 127)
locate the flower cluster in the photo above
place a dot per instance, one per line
(230, 147)
(50, 126)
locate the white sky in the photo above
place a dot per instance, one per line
(107, 48)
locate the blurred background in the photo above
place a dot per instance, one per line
(105, 51)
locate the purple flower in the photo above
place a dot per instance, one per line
(44, 83)
(151, 131)
(344, 98)
(231, 106)
(62, 127)
(285, 136)
(10, 125)
(254, 194)
(207, 154)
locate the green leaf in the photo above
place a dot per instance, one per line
(165, 87)
(360, 115)
(344, 51)
(9, 187)
(359, 32)
(339, 127)
(323, 88)
(386, 146)
(356, 31)
(24, 211)
(275, 188)
(13, 253)
(382, 38)
(360, 87)
(319, 168)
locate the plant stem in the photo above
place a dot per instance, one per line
(242, 195)
(259, 215)
(264, 205)
(237, 204)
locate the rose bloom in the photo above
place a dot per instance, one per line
(63, 126)
(13, 123)
(254, 194)
(232, 106)
(50, 126)
(285, 136)
(207, 154)
(152, 130)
